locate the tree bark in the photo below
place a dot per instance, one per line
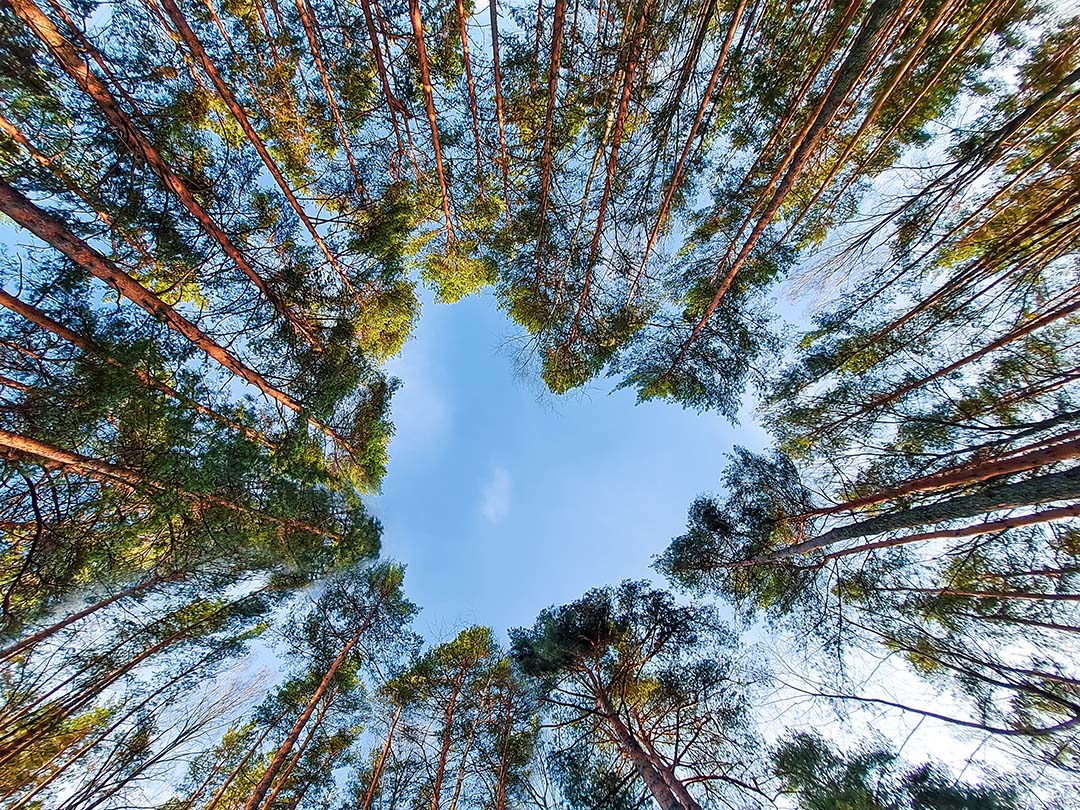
(1041, 489)
(638, 758)
(499, 115)
(68, 59)
(847, 75)
(39, 318)
(103, 471)
(44, 633)
(52, 231)
(261, 789)
(429, 107)
(203, 58)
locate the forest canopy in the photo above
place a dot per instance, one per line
(219, 219)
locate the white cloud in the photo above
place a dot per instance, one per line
(495, 496)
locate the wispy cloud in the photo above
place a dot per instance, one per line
(495, 496)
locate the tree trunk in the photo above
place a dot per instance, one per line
(499, 115)
(376, 774)
(103, 471)
(260, 791)
(429, 107)
(676, 175)
(203, 58)
(1041, 489)
(849, 72)
(972, 472)
(284, 780)
(638, 758)
(68, 58)
(549, 120)
(44, 633)
(444, 751)
(39, 318)
(316, 55)
(52, 231)
(1047, 516)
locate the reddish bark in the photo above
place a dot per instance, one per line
(68, 59)
(429, 107)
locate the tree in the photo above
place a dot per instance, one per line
(635, 673)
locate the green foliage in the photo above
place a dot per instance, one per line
(457, 273)
(821, 778)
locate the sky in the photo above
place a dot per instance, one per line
(503, 499)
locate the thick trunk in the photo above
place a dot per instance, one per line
(630, 748)
(1058, 486)
(1046, 516)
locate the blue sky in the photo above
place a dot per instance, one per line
(503, 499)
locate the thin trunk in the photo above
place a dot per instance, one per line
(52, 230)
(103, 471)
(1023, 596)
(256, 797)
(50, 163)
(316, 55)
(45, 632)
(1063, 311)
(284, 780)
(850, 71)
(129, 712)
(460, 781)
(549, 120)
(429, 107)
(225, 93)
(473, 108)
(504, 765)
(252, 750)
(676, 175)
(444, 751)
(972, 472)
(376, 774)
(39, 318)
(68, 59)
(392, 102)
(1046, 516)
(499, 115)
